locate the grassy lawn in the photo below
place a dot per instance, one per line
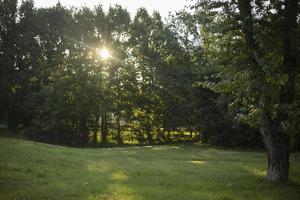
(30, 170)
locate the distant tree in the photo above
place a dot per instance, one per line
(8, 49)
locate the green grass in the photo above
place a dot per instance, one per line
(30, 170)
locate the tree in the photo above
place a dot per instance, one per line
(8, 36)
(254, 52)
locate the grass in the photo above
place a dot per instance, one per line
(30, 170)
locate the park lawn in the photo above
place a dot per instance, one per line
(31, 170)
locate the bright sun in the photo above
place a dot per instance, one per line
(104, 53)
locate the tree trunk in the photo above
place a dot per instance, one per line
(149, 135)
(276, 143)
(104, 126)
(275, 140)
(84, 132)
(278, 157)
(119, 138)
(169, 135)
(149, 138)
(95, 137)
(96, 128)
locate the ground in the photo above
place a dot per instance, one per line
(30, 170)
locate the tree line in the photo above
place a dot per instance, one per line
(56, 88)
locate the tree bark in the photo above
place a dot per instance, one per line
(84, 132)
(276, 143)
(95, 137)
(96, 128)
(104, 126)
(119, 138)
(278, 157)
(149, 135)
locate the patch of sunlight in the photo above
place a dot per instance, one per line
(112, 197)
(257, 172)
(221, 152)
(98, 166)
(196, 162)
(116, 192)
(161, 147)
(148, 146)
(157, 148)
(165, 148)
(119, 176)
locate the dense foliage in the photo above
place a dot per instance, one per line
(55, 87)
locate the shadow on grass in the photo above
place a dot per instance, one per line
(189, 178)
(152, 172)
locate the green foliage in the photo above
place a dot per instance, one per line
(56, 85)
(243, 76)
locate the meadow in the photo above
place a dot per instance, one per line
(31, 170)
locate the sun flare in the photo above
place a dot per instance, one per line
(104, 53)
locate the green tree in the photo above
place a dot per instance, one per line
(8, 37)
(254, 53)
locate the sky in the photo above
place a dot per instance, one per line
(163, 6)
